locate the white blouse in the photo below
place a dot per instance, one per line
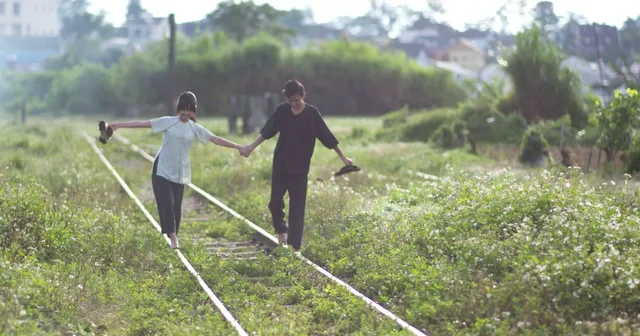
(177, 140)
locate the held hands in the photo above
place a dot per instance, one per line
(245, 150)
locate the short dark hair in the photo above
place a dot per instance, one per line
(292, 88)
(187, 101)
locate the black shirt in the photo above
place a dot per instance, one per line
(298, 134)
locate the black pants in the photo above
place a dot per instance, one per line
(169, 201)
(296, 185)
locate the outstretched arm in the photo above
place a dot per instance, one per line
(269, 130)
(224, 142)
(131, 124)
(257, 142)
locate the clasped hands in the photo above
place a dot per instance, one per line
(245, 150)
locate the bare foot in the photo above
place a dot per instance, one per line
(282, 238)
(174, 241)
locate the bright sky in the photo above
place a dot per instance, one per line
(458, 13)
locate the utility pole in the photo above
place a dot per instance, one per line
(595, 35)
(23, 111)
(171, 65)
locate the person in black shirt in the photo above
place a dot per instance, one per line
(299, 125)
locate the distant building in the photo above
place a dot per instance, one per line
(146, 28)
(496, 72)
(29, 31)
(29, 18)
(27, 53)
(462, 53)
(432, 34)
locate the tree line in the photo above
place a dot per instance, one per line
(343, 77)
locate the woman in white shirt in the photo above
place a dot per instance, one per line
(172, 167)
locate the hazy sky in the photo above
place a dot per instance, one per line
(458, 11)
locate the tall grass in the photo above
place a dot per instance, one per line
(529, 252)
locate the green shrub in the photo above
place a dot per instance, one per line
(359, 132)
(533, 148)
(632, 163)
(420, 127)
(478, 119)
(443, 137)
(509, 129)
(544, 88)
(507, 104)
(459, 129)
(395, 118)
(551, 130)
(487, 124)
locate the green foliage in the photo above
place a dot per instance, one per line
(341, 77)
(81, 89)
(78, 257)
(421, 125)
(477, 254)
(487, 124)
(533, 147)
(483, 121)
(459, 129)
(617, 122)
(544, 90)
(551, 131)
(394, 118)
(443, 137)
(632, 165)
(74, 258)
(244, 19)
(495, 253)
(367, 81)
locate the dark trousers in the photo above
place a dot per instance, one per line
(169, 201)
(296, 185)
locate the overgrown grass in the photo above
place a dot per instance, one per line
(497, 253)
(77, 257)
(319, 307)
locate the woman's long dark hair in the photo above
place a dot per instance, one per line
(187, 101)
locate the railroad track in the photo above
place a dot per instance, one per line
(214, 299)
(260, 243)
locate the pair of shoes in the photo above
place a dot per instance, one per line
(106, 131)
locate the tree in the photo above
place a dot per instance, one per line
(546, 18)
(84, 25)
(81, 89)
(626, 74)
(71, 7)
(134, 10)
(385, 18)
(630, 34)
(297, 18)
(82, 33)
(78, 23)
(544, 15)
(617, 122)
(544, 89)
(245, 19)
